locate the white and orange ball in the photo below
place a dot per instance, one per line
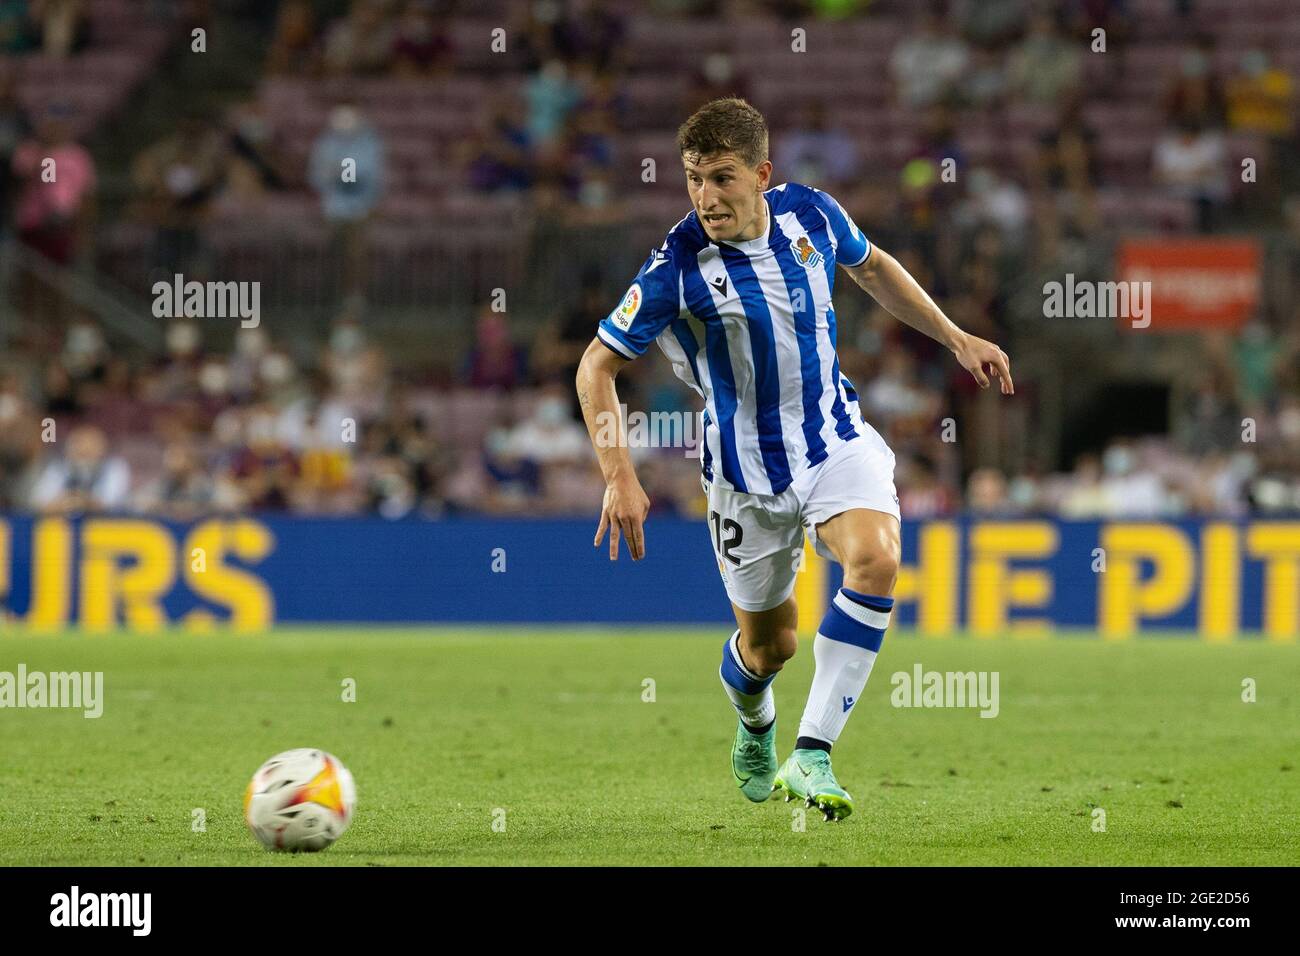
(300, 800)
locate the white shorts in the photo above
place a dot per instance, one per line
(758, 539)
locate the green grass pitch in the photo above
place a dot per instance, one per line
(451, 726)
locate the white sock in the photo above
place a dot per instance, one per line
(844, 651)
(750, 694)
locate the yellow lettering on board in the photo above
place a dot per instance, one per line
(51, 560)
(249, 600)
(1124, 599)
(1220, 612)
(994, 587)
(1277, 544)
(140, 587)
(932, 581)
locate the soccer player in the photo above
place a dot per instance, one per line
(739, 298)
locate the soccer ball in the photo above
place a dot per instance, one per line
(300, 800)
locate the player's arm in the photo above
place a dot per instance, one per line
(625, 505)
(886, 281)
(650, 304)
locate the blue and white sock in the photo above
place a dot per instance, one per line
(750, 694)
(844, 650)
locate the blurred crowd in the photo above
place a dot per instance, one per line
(54, 28)
(202, 431)
(338, 427)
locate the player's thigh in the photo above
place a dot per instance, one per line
(867, 545)
(852, 515)
(758, 543)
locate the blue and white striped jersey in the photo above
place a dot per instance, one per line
(750, 326)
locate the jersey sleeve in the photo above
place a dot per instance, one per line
(649, 305)
(851, 246)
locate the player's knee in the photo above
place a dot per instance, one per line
(872, 566)
(770, 655)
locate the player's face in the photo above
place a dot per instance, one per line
(728, 195)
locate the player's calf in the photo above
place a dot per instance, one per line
(753, 752)
(767, 639)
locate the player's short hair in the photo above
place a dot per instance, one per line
(727, 125)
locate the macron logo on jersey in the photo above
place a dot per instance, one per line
(849, 702)
(750, 326)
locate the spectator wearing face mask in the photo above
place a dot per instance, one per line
(1261, 98)
(85, 479)
(1261, 101)
(716, 76)
(550, 435)
(986, 493)
(1082, 497)
(347, 172)
(85, 352)
(1045, 67)
(356, 370)
(547, 447)
(1194, 93)
(175, 375)
(1129, 490)
(818, 151)
(551, 94)
(176, 180)
(927, 66)
(184, 489)
(1191, 162)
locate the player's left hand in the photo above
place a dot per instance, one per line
(974, 353)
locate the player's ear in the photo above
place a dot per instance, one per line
(764, 172)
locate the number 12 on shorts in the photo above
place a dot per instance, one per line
(735, 534)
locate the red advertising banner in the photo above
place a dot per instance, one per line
(1194, 283)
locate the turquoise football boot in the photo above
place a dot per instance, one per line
(807, 776)
(753, 762)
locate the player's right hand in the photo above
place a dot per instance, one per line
(623, 513)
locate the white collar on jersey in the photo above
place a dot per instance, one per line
(760, 244)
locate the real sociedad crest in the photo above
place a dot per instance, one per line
(808, 257)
